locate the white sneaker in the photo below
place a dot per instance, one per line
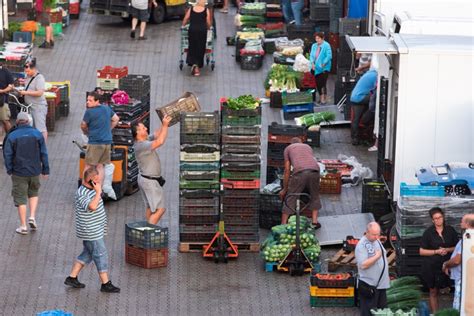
(32, 223)
(373, 148)
(22, 230)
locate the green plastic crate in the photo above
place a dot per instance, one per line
(199, 184)
(317, 301)
(242, 120)
(240, 175)
(57, 29)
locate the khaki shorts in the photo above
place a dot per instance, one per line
(97, 154)
(24, 188)
(303, 181)
(5, 112)
(39, 113)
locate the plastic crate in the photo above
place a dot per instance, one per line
(284, 138)
(332, 280)
(275, 151)
(331, 292)
(22, 37)
(275, 100)
(145, 235)
(319, 12)
(241, 130)
(146, 258)
(195, 195)
(308, 81)
(199, 175)
(57, 29)
(200, 123)
(196, 233)
(200, 148)
(51, 115)
(316, 301)
(199, 206)
(136, 85)
(198, 219)
(248, 184)
(199, 138)
(251, 62)
(275, 163)
(240, 149)
(240, 175)
(349, 26)
(286, 130)
(375, 198)
(184, 156)
(241, 120)
(330, 184)
(270, 206)
(199, 184)
(334, 164)
(199, 166)
(108, 84)
(186, 103)
(240, 158)
(235, 113)
(240, 139)
(296, 98)
(109, 72)
(313, 138)
(299, 108)
(421, 190)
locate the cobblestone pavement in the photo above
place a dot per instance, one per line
(33, 267)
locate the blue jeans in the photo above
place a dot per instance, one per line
(297, 7)
(287, 11)
(94, 250)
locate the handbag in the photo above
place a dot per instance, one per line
(366, 290)
(21, 98)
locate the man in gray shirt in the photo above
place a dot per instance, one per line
(372, 266)
(150, 181)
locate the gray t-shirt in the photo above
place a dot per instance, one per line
(38, 83)
(148, 159)
(140, 4)
(364, 250)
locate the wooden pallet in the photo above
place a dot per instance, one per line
(344, 259)
(198, 246)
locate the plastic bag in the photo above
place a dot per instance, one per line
(273, 187)
(120, 97)
(301, 64)
(107, 185)
(358, 172)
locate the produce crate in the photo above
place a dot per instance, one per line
(199, 138)
(286, 130)
(241, 158)
(308, 81)
(235, 113)
(186, 103)
(375, 198)
(51, 115)
(199, 175)
(242, 234)
(241, 130)
(421, 190)
(251, 62)
(247, 184)
(22, 37)
(57, 29)
(199, 206)
(316, 301)
(146, 258)
(269, 46)
(241, 120)
(240, 175)
(309, 107)
(200, 148)
(195, 195)
(330, 184)
(240, 139)
(196, 233)
(240, 166)
(184, 156)
(122, 136)
(109, 72)
(304, 32)
(243, 220)
(200, 123)
(108, 84)
(241, 211)
(244, 199)
(56, 17)
(297, 98)
(332, 280)
(275, 99)
(240, 149)
(201, 184)
(270, 206)
(335, 164)
(198, 219)
(313, 138)
(275, 151)
(199, 166)
(331, 292)
(145, 235)
(136, 86)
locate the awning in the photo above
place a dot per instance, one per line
(374, 44)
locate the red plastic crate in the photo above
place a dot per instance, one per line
(330, 184)
(274, 14)
(308, 81)
(57, 100)
(109, 72)
(284, 139)
(334, 164)
(271, 26)
(250, 184)
(146, 258)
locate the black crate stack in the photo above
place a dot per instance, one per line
(408, 256)
(270, 210)
(279, 136)
(199, 176)
(240, 172)
(335, 12)
(375, 198)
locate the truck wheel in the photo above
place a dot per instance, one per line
(158, 13)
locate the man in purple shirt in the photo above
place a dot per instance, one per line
(304, 178)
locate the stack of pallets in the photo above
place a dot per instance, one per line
(146, 245)
(240, 172)
(199, 178)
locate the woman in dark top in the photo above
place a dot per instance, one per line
(199, 19)
(437, 244)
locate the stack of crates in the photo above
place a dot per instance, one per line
(296, 104)
(137, 87)
(270, 210)
(375, 198)
(279, 136)
(146, 245)
(199, 177)
(332, 290)
(240, 172)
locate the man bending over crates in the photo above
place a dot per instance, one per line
(305, 178)
(150, 180)
(97, 124)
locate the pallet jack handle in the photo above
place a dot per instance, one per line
(297, 212)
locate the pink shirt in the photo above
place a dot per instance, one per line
(301, 157)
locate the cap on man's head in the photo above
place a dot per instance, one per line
(23, 117)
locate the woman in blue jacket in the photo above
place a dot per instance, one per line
(320, 59)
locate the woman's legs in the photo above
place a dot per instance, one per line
(434, 300)
(321, 80)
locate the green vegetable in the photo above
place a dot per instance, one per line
(447, 312)
(404, 293)
(407, 280)
(243, 102)
(315, 118)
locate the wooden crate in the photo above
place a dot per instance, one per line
(347, 259)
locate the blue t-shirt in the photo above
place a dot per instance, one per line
(98, 123)
(456, 271)
(363, 87)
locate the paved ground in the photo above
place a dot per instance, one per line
(33, 267)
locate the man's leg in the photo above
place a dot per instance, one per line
(22, 215)
(6, 125)
(284, 218)
(134, 24)
(101, 172)
(49, 33)
(76, 269)
(359, 110)
(314, 216)
(155, 217)
(33, 201)
(142, 29)
(366, 304)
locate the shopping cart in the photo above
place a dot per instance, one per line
(209, 56)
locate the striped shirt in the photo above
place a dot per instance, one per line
(90, 225)
(301, 157)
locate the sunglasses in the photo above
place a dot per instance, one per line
(27, 66)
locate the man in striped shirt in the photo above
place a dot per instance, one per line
(91, 227)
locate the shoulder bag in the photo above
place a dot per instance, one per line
(366, 290)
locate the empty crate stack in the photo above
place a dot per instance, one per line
(279, 136)
(332, 290)
(240, 172)
(57, 98)
(375, 198)
(199, 177)
(146, 245)
(296, 104)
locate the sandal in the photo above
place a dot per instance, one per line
(197, 73)
(193, 69)
(224, 10)
(317, 225)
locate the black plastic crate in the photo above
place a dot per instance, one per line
(122, 136)
(304, 32)
(275, 100)
(313, 138)
(241, 201)
(196, 233)
(240, 149)
(199, 138)
(284, 129)
(133, 106)
(274, 173)
(145, 235)
(375, 198)
(275, 151)
(349, 26)
(319, 12)
(136, 86)
(200, 148)
(237, 219)
(292, 115)
(240, 158)
(241, 130)
(241, 167)
(193, 194)
(64, 109)
(344, 281)
(269, 210)
(243, 112)
(251, 62)
(198, 219)
(268, 220)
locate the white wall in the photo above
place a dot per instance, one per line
(435, 113)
